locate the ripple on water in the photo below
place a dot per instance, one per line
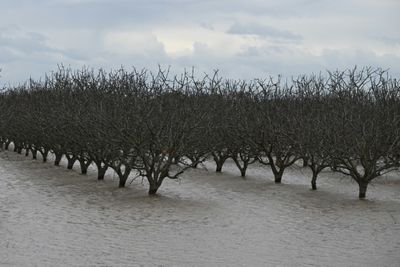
(50, 216)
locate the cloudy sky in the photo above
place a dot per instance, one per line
(243, 39)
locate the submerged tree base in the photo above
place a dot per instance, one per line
(121, 183)
(153, 191)
(362, 191)
(314, 181)
(314, 186)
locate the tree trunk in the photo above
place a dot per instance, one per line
(362, 189)
(58, 158)
(241, 169)
(18, 149)
(6, 145)
(26, 152)
(219, 160)
(153, 187)
(278, 177)
(194, 165)
(220, 163)
(71, 162)
(34, 154)
(44, 154)
(122, 181)
(153, 190)
(314, 181)
(196, 160)
(123, 177)
(84, 165)
(84, 169)
(101, 172)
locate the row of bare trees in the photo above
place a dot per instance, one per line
(156, 126)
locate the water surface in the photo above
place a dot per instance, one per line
(50, 216)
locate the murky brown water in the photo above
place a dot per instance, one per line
(50, 216)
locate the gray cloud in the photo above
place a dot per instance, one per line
(25, 54)
(391, 40)
(263, 31)
(261, 62)
(243, 39)
(24, 43)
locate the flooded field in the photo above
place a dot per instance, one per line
(51, 216)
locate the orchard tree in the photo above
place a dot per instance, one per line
(312, 129)
(366, 124)
(274, 137)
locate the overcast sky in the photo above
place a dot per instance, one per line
(243, 39)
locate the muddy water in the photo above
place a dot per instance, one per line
(50, 216)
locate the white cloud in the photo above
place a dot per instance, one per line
(133, 43)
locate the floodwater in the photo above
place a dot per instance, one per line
(51, 216)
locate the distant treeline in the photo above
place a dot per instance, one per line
(158, 126)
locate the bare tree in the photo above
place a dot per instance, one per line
(366, 124)
(312, 130)
(274, 138)
(157, 126)
(169, 120)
